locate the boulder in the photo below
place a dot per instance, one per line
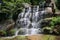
(49, 10)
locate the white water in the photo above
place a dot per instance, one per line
(27, 26)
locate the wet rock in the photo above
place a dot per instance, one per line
(10, 26)
(47, 30)
(45, 23)
(26, 5)
(7, 24)
(57, 29)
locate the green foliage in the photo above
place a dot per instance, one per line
(10, 8)
(36, 2)
(2, 33)
(12, 31)
(27, 1)
(54, 21)
(54, 26)
(58, 4)
(4, 16)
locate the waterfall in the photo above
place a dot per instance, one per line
(25, 25)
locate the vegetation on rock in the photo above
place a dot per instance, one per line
(53, 26)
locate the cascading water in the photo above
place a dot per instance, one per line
(24, 23)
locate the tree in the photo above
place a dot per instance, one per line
(36, 2)
(9, 8)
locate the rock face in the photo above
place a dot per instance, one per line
(49, 10)
(6, 24)
(57, 14)
(10, 26)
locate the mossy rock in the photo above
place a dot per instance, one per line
(47, 30)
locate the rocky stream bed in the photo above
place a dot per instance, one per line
(32, 37)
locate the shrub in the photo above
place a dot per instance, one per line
(53, 27)
(11, 32)
(36, 2)
(10, 8)
(55, 21)
(58, 4)
(3, 33)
